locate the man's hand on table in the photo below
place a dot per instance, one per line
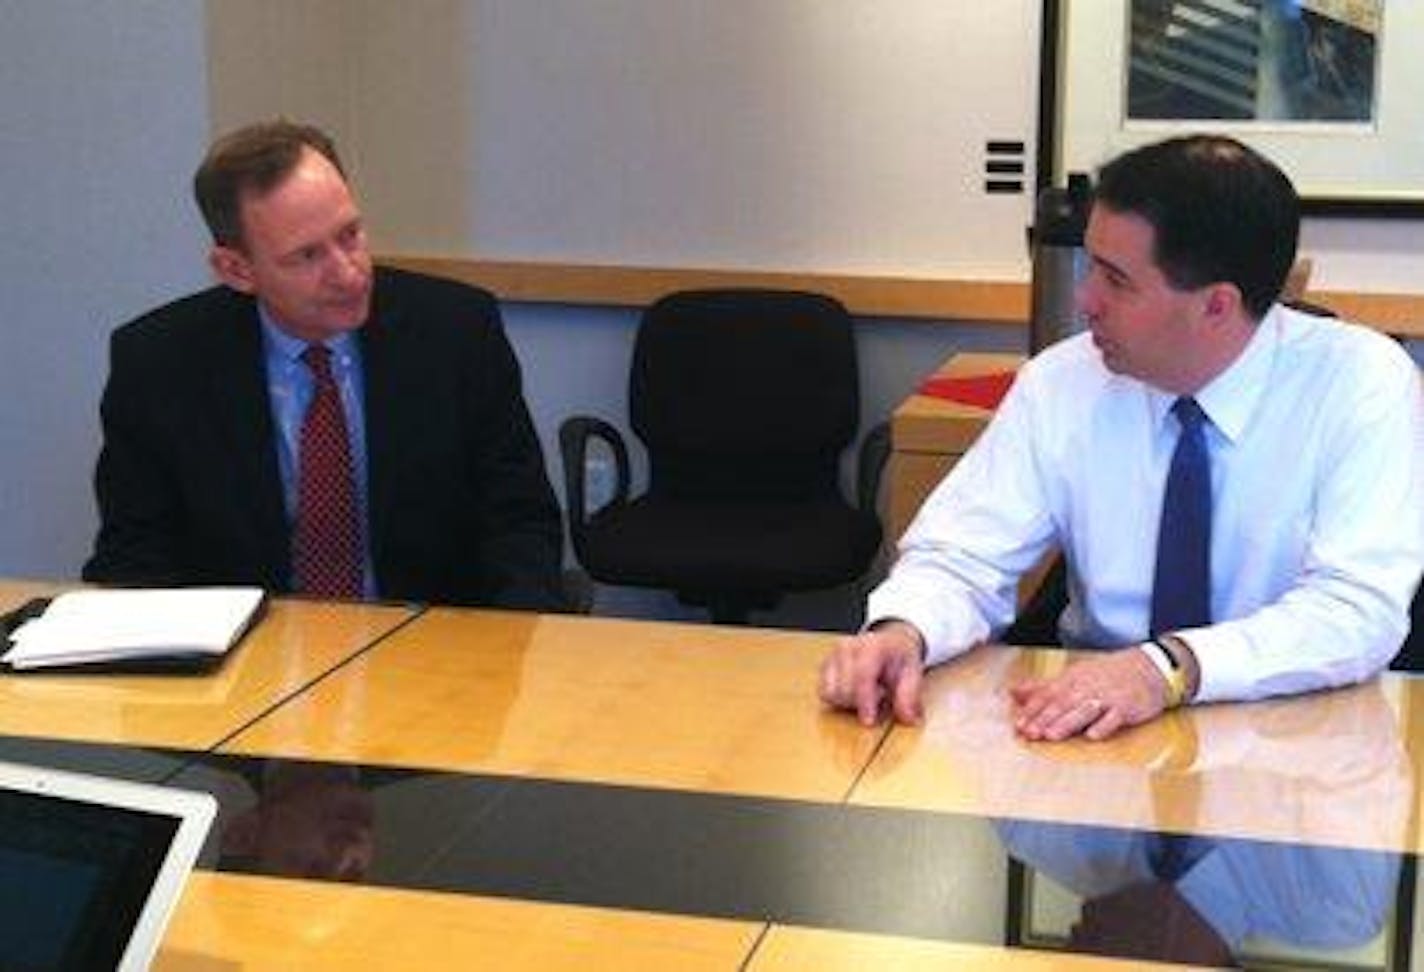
(880, 667)
(1095, 697)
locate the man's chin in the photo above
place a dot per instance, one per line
(348, 317)
(327, 327)
(344, 324)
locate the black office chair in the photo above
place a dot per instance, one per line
(1410, 657)
(1307, 307)
(1037, 621)
(744, 400)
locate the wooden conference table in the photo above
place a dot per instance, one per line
(440, 788)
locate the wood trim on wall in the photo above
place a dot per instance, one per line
(1398, 314)
(930, 299)
(1000, 302)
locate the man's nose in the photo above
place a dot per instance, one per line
(347, 266)
(1085, 297)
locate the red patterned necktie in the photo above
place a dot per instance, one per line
(326, 540)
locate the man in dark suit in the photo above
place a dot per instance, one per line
(420, 479)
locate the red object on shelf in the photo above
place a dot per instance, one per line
(982, 391)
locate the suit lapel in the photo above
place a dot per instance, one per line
(384, 362)
(238, 383)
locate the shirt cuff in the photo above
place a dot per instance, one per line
(1223, 663)
(942, 631)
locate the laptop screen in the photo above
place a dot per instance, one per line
(89, 872)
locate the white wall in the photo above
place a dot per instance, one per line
(843, 135)
(103, 104)
(290, 57)
(1359, 254)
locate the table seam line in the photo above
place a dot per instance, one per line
(298, 691)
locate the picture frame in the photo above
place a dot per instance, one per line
(1371, 167)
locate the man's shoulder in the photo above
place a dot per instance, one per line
(194, 317)
(200, 323)
(1350, 351)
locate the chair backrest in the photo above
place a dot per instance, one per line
(744, 394)
(1411, 654)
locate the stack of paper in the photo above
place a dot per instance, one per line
(115, 626)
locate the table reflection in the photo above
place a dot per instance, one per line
(307, 820)
(1205, 900)
(1273, 825)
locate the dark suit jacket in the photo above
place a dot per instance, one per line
(460, 507)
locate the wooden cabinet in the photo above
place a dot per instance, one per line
(929, 434)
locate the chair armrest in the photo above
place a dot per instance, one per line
(574, 436)
(1037, 620)
(874, 451)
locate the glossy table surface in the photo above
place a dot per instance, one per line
(296, 644)
(230, 921)
(1335, 768)
(570, 698)
(441, 788)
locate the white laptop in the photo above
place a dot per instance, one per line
(91, 867)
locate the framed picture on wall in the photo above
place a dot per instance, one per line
(1329, 89)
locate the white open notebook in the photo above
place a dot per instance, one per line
(107, 627)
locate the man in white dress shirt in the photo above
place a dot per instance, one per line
(1314, 436)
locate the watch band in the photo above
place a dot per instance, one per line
(1165, 661)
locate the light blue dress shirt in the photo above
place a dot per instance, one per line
(290, 387)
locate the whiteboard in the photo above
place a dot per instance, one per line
(802, 135)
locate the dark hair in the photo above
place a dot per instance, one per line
(1221, 212)
(253, 159)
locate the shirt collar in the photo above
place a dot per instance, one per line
(1230, 398)
(285, 347)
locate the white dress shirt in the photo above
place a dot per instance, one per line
(1316, 438)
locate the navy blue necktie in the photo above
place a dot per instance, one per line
(1181, 586)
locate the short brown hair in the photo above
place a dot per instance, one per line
(1221, 212)
(253, 159)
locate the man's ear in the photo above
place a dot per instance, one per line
(232, 268)
(1223, 301)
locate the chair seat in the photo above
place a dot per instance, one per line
(765, 546)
